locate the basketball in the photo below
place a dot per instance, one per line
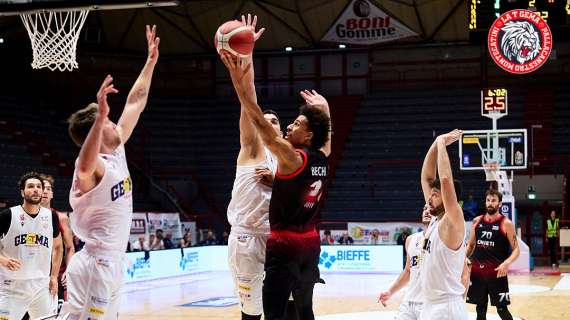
(235, 38)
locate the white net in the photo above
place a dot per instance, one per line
(54, 36)
(491, 171)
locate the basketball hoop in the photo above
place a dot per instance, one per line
(54, 36)
(491, 171)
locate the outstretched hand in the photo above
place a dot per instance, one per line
(153, 41)
(450, 137)
(313, 98)
(253, 24)
(106, 88)
(238, 67)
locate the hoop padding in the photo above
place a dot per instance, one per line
(54, 36)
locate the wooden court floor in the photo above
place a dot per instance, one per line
(342, 294)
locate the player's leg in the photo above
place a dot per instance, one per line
(90, 282)
(481, 311)
(303, 298)
(478, 295)
(13, 300)
(277, 285)
(500, 296)
(42, 303)
(406, 312)
(246, 259)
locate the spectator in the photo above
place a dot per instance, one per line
(168, 243)
(401, 240)
(553, 236)
(327, 239)
(140, 244)
(470, 208)
(345, 239)
(374, 237)
(158, 243)
(225, 237)
(210, 239)
(186, 241)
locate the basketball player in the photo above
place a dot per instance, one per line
(101, 196)
(412, 303)
(293, 248)
(493, 246)
(248, 210)
(30, 255)
(443, 254)
(69, 249)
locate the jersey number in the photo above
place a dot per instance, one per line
(316, 188)
(487, 234)
(504, 296)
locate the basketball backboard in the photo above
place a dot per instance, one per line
(14, 7)
(506, 147)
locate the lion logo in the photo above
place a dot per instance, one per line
(520, 42)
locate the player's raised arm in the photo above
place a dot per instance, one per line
(429, 171)
(313, 98)
(288, 159)
(88, 165)
(136, 101)
(455, 223)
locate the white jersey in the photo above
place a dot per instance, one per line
(102, 217)
(249, 207)
(414, 251)
(30, 240)
(441, 267)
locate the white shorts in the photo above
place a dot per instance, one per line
(20, 296)
(409, 310)
(453, 309)
(94, 282)
(246, 259)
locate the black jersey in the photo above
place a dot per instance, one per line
(295, 197)
(492, 246)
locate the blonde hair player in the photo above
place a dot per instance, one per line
(101, 196)
(443, 253)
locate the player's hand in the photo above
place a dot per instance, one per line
(238, 67)
(313, 98)
(53, 286)
(450, 137)
(253, 24)
(64, 280)
(384, 297)
(106, 88)
(502, 270)
(152, 41)
(264, 176)
(10, 263)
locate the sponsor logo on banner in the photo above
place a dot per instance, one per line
(190, 261)
(139, 269)
(363, 23)
(346, 259)
(520, 41)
